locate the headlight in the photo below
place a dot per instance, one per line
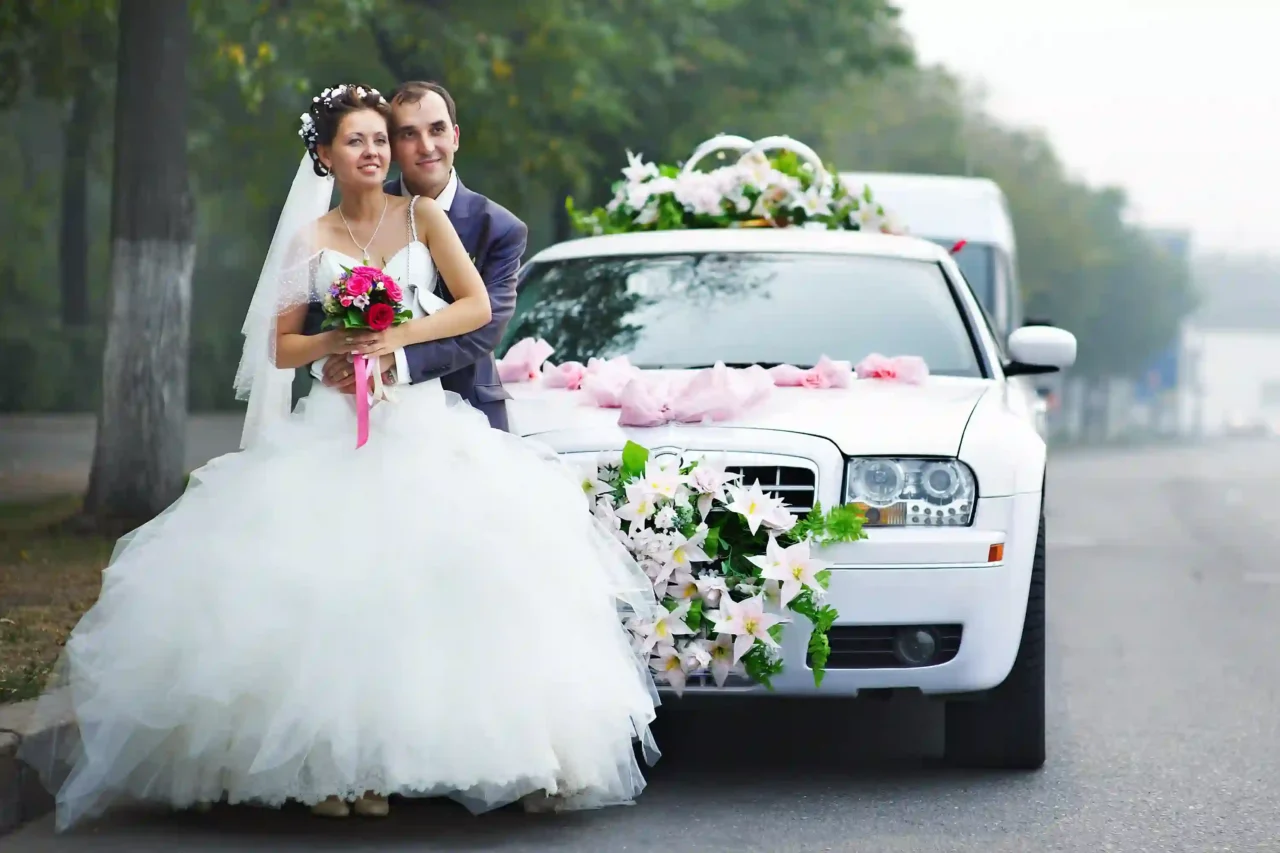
(901, 492)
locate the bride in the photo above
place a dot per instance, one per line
(435, 613)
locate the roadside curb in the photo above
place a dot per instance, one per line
(23, 797)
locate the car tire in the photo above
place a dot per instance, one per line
(1005, 729)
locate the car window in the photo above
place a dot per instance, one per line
(689, 310)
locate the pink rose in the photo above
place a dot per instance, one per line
(393, 289)
(346, 300)
(358, 285)
(367, 272)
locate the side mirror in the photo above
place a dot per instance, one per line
(1040, 349)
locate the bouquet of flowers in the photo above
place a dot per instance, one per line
(728, 563)
(755, 191)
(367, 298)
(364, 298)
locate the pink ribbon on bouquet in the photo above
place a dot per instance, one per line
(362, 400)
(902, 368)
(369, 390)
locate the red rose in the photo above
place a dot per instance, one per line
(381, 317)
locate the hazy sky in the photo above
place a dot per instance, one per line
(1178, 101)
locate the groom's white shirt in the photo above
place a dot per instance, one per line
(445, 200)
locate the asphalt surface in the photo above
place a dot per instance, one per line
(1164, 731)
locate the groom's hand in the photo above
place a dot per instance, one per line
(339, 372)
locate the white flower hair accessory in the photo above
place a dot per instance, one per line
(308, 132)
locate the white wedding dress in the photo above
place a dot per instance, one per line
(436, 613)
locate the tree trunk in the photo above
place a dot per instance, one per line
(140, 445)
(74, 249)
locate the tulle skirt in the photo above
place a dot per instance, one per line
(436, 613)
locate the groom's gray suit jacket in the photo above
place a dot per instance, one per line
(495, 238)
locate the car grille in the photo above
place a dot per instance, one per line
(797, 486)
(871, 646)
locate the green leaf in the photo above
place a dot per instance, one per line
(694, 617)
(634, 458)
(819, 653)
(712, 543)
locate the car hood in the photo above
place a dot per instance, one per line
(871, 417)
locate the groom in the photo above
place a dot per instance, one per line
(424, 140)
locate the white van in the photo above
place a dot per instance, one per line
(946, 209)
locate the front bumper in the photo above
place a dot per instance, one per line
(924, 577)
(898, 577)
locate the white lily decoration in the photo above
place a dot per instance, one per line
(683, 586)
(685, 550)
(748, 622)
(640, 504)
(637, 170)
(720, 651)
(668, 663)
(663, 479)
(668, 626)
(752, 504)
(794, 567)
(666, 518)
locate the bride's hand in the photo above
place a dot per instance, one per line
(378, 344)
(363, 342)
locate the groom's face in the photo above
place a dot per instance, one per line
(423, 143)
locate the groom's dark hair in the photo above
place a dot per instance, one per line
(416, 90)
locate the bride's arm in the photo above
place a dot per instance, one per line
(294, 349)
(470, 308)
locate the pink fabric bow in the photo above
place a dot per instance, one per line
(715, 394)
(606, 379)
(825, 374)
(902, 368)
(568, 375)
(523, 361)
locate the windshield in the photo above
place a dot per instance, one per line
(690, 310)
(977, 263)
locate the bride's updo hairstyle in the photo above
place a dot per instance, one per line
(320, 123)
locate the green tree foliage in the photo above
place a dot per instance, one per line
(550, 93)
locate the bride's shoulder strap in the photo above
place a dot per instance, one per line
(413, 221)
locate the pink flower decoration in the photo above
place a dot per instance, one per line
(902, 368)
(372, 273)
(643, 404)
(568, 375)
(715, 394)
(345, 300)
(359, 285)
(393, 289)
(720, 393)
(607, 379)
(523, 362)
(825, 374)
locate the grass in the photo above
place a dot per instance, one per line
(49, 576)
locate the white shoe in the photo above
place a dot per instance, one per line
(332, 807)
(372, 805)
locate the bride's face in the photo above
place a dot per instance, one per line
(360, 153)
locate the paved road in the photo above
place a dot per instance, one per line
(1164, 595)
